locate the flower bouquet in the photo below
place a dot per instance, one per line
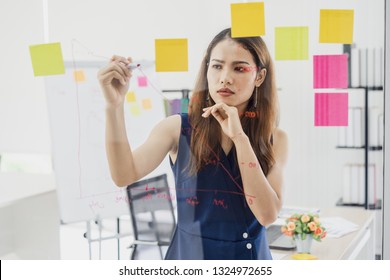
(304, 228)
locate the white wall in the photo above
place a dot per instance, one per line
(23, 111)
(129, 27)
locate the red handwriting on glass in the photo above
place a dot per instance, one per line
(122, 198)
(166, 196)
(95, 205)
(211, 161)
(249, 114)
(147, 188)
(147, 196)
(192, 200)
(252, 165)
(220, 202)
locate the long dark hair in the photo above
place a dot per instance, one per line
(258, 122)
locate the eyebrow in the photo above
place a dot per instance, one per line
(234, 62)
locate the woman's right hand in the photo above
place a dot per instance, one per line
(114, 80)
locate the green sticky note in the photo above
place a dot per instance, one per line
(292, 43)
(171, 55)
(135, 110)
(247, 19)
(336, 26)
(47, 59)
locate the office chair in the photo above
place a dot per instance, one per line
(151, 211)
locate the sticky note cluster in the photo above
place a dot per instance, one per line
(135, 106)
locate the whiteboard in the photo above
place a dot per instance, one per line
(77, 126)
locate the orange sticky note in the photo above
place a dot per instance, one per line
(247, 19)
(79, 76)
(130, 97)
(336, 26)
(171, 55)
(47, 59)
(147, 103)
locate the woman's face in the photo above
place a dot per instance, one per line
(232, 74)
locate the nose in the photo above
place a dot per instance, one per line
(226, 77)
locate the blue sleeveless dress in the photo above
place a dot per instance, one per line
(214, 220)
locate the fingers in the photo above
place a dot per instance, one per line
(119, 58)
(116, 69)
(108, 77)
(219, 108)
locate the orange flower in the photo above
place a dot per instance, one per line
(312, 226)
(318, 231)
(290, 226)
(305, 218)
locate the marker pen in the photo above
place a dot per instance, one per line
(133, 66)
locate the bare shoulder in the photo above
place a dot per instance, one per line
(171, 123)
(280, 144)
(280, 136)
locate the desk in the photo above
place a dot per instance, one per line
(29, 217)
(359, 244)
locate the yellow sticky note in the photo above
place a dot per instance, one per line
(292, 43)
(247, 19)
(171, 55)
(79, 76)
(147, 103)
(47, 59)
(130, 97)
(135, 110)
(336, 26)
(304, 257)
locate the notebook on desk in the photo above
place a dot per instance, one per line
(277, 240)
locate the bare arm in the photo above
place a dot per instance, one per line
(125, 165)
(263, 194)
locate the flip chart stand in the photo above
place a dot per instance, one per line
(117, 236)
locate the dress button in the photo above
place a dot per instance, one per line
(245, 235)
(249, 246)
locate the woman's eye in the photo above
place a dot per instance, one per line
(216, 66)
(243, 69)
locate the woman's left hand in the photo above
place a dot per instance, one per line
(227, 116)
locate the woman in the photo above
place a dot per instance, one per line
(227, 154)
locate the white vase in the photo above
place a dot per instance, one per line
(303, 246)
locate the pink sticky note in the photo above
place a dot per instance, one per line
(331, 109)
(142, 81)
(330, 71)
